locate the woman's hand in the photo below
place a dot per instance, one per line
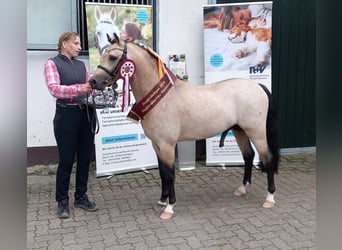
(86, 88)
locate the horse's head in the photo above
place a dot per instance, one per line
(105, 26)
(107, 72)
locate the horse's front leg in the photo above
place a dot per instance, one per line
(165, 190)
(167, 175)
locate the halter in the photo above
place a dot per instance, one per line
(165, 83)
(114, 72)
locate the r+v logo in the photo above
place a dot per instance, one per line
(256, 69)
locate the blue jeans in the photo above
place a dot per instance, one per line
(75, 141)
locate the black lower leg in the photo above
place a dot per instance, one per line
(270, 181)
(171, 184)
(163, 177)
(247, 177)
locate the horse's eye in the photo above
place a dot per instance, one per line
(112, 58)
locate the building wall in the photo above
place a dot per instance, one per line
(40, 104)
(181, 31)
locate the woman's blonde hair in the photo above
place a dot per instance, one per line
(66, 36)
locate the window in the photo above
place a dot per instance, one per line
(46, 20)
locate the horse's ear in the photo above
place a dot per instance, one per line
(116, 38)
(113, 40)
(97, 13)
(109, 39)
(113, 14)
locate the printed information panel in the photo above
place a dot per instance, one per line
(121, 145)
(236, 48)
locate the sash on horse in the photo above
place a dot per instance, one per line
(149, 101)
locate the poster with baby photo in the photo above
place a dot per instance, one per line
(120, 145)
(237, 44)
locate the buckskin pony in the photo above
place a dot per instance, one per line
(171, 110)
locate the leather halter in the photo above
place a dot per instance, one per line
(114, 72)
(152, 98)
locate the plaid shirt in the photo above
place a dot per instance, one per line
(54, 85)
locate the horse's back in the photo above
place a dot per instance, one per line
(235, 91)
(202, 111)
(236, 84)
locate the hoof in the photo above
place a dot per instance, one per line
(166, 215)
(268, 204)
(239, 193)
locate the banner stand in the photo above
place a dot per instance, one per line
(121, 146)
(225, 57)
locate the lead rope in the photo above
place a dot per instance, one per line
(94, 130)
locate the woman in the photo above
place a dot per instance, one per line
(130, 32)
(67, 80)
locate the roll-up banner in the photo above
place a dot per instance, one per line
(120, 145)
(237, 44)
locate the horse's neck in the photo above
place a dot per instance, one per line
(146, 75)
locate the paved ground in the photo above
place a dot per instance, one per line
(207, 214)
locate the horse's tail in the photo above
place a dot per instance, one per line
(272, 130)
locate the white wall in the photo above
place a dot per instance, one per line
(40, 104)
(179, 28)
(180, 31)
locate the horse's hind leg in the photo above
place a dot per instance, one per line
(269, 203)
(267, 165)
(248, 156)
(268, 149)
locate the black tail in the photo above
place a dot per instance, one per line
(272, 130)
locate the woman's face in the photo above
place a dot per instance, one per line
(72, 47)
(241, 16)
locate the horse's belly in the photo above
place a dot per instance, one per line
(204, 128)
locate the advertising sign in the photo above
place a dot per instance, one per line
(237, 44)
(121, 145)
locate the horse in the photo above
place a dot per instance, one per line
(105, 25)
(171, 110)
